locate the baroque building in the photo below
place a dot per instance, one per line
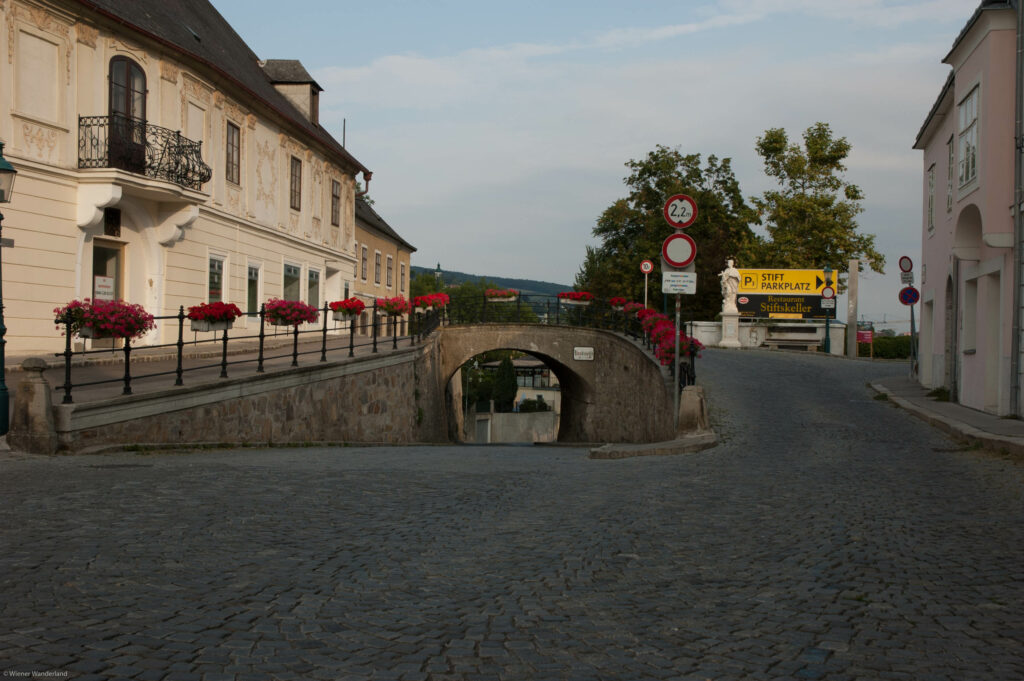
(162, 162)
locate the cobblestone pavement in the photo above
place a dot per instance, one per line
(828, 536)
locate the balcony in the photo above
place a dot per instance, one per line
(117, 141)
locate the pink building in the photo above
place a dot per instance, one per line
(970, 299)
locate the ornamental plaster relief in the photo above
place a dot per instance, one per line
(87, 35)
(250, 122)
(136, 52)
(40, 143)
(266, 172)
(197, 90)
(169, 71)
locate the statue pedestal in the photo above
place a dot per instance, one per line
(730, 330)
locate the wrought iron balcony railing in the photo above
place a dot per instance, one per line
(117, 141)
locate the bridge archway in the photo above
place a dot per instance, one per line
(621, 395)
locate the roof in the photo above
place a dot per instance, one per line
(368, 216)
(194, 28)
(984, 6)
(288, 71)
(946, 91)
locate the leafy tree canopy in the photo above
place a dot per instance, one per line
(633, 228)
(811, 218)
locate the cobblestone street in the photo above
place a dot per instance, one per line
(828, 535)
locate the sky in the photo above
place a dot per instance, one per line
(498, 133)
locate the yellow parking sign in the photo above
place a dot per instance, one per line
(767, 282)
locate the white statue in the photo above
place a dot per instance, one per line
(730, 277)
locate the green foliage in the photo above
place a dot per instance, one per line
(886, 347)
(811, 218)
(633, 228)
(467, 303)
(505, 386)
(452, 278)
(528, 406)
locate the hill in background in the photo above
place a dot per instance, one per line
(526, 286)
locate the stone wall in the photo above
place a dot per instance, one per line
(395, 398)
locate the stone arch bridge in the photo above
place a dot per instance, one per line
(621, 395)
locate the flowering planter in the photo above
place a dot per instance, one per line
(342, 315)
(282, 322)
(89, 332)
(202, 325)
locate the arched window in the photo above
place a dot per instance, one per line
(127, 115)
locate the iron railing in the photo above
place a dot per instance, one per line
(118, 141)
(341, 341)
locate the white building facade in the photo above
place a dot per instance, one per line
(160, 162)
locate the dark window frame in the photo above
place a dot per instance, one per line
(335, 203)
(295, 193)
(233, 153)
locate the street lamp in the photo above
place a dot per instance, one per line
(7, 173)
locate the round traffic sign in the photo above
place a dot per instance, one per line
(680, 211)
(906, 264)
(909, 295)
(679, 250)
(647, 267)
(828, 292)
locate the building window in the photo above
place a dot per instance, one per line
(296, 186)
(291, 285)
(390, 272)
(364, 263)
(233, 161)
(313, 288)
(968, 129)
(335, 203)
(949, 175)
(376, 269)
(401, 279)
(215, 290)
(127, 102)
(931, 198)
(252, 289)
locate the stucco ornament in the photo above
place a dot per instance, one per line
(730, 277)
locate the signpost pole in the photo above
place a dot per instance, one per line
(828, 334)
(675, 389)
(913, 345)
(645, 290)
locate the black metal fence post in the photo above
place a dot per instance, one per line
(263, 319)
(394, 331)
(127, 367)
(224, 354)
(179, 371)
(295, 345)
(323, 346)
(374, 322)
(67, 360)
(352, 336)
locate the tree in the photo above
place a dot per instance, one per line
(633, 229)
(505, 386)
(811, 218)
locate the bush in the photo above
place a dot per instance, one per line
(887, 347)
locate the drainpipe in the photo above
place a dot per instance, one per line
(367, 175)
(1018, 225)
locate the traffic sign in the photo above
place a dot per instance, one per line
(803, 282)
(647, 267)
(828, 303)
(679, 282)
(680, 211)
(906, 264)
(828, 292)
(909, 295)
(906, 277)
(679, 250)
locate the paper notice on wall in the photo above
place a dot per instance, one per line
(102, 288)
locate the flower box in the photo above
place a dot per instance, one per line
(89, 332)
(503, 299)
(578, 303)
(117, 319)
(343, 315)
(289, 312)
(204, 325)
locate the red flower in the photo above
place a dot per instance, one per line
(351, 306)
(396, 306)
(576, 295)
(292, 312)
(214, 312)
(501, 293)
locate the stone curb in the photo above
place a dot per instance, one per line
(958, 429)
(686, 444)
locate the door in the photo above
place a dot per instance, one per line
(127, 132)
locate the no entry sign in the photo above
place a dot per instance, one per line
(679, 250)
